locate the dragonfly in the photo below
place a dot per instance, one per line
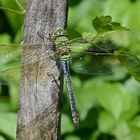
(102, 54)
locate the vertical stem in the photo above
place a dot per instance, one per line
(19, 5)
(39, 112)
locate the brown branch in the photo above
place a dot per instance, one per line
(39, 111)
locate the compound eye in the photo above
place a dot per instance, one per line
(59, 32)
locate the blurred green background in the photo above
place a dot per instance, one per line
(109, 109)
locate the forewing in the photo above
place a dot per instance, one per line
(101, 55)
(119, 40)
(95, 63)
(11, 63)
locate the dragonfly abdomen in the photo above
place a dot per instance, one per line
(65, 65)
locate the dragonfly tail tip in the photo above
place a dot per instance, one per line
(75, 119)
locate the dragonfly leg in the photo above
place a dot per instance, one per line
(42, 36)
(50, 37)
(54, 80)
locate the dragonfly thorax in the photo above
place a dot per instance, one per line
(61, 43)
(62, 47)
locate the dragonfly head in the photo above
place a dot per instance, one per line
(58, 32)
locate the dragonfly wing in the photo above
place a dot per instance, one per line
(107, 42)
(10, 56)
(100, 55)
(95, 63)
(10, 60)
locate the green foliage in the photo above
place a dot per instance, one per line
(108, 105)
(104, 24)
(74, 2)
(124, 11)
(13, 21)
(8, 125)
(80, 16)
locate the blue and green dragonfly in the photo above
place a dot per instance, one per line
(104, 53)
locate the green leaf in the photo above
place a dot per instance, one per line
(85, 97)
(113, 98)
(73, 33)
(135, 123)
(121, 130)
(5, 38)
(106, 122)
(135, 135)
(73, 138)
(117, 10)
(80, 16)
(2, 138)
(74, 2)
(8, 124)
(4, 105)
(104, 24)
(67, 126)
(95, 135)
(15, 20)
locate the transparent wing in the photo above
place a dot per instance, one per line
(95, 63)
(10, 60)
(108, 41)
(105, 53)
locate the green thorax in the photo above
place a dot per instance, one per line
(62, 43)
